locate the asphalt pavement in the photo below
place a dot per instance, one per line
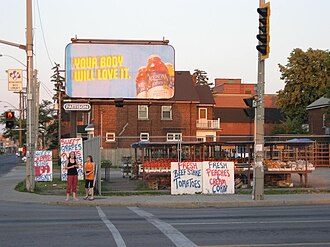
(9, 180)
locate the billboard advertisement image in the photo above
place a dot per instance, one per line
(119, 71)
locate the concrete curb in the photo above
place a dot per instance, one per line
(190, 204)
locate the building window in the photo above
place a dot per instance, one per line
(174, 136)
(200, 139)
(142, 112)
(144, 137)
(203, 113)
(110, 137)
(166, 112)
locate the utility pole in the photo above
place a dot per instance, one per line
(31, 106)
(259, 136)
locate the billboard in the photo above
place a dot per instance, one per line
(119, 71)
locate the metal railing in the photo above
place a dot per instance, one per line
(208, 124)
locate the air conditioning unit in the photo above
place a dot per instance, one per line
(327, 131)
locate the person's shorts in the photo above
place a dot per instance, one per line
(89, 184)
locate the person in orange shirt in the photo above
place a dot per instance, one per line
(89, 177)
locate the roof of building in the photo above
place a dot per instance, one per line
(205, 94)
(319, 103)
(184, 87)
(237, 115)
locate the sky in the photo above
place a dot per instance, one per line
(217, 36)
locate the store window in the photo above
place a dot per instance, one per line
(166, 112)
(110, 137)
(144, 137)
(174, 136)
(142, 112)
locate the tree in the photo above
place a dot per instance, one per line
(46, 120)
(306, 77)
(201, 78)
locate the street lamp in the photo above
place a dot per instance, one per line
(4, 55)
(32, 111)
(20, 100)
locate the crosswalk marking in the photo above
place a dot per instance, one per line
(114, 231)
(169, 231)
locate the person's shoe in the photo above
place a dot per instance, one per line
(91, 199)
(85, 197)
(75, 199)
(66, 199)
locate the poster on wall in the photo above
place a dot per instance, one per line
(186, 178)
(119, 71)
(72, 145)
(218, 177)
(43, 166)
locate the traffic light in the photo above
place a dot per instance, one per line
(252, 104)
(10, 117)
(263, 36)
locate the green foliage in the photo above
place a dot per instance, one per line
(106, 163)
(307, 78)
(47, 126)
(289, 126)
(201, 78)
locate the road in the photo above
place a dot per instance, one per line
(36, 224)
(7, 162)
(24, 224)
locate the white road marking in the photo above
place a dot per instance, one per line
(169, 231)
(114, 231)
(248, 222)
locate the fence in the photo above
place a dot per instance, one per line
(92, 147)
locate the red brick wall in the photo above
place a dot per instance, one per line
(183, 121)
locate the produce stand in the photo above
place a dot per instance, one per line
(126, 166)
(153, 160)
(290, 157)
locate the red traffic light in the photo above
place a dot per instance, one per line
(10, 115)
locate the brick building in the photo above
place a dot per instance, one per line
(188, 116)
(228, 96)
(319, 118)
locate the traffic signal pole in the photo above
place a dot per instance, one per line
(259, 136)
(31, 105)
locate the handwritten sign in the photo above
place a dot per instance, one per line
(43, 165)
(218, 177)
(186, 178)
(68, 145)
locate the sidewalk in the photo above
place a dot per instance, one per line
(10, 180)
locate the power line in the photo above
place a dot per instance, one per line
(47, 90)
(43, 34)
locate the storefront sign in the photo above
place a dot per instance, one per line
(186, 178)
(218, 177)
(43, 165)
(68, 145)
(77, 107)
